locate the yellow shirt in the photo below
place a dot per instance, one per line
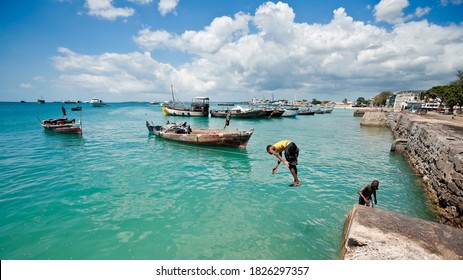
(281, 146)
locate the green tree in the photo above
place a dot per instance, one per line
(459, 81)
(361, 100)
(380, 99)
(451, 94)
(315, 101)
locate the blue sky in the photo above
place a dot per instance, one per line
(229, 50)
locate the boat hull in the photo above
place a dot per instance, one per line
(290, 113)
(234, 114)
(270, 113)
(207, 137)
(169, 110)
(70, 128)
(306, 112)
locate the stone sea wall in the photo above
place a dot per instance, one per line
(435, 150)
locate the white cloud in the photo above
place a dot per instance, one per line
(121, 73)
(453, 2)
(39, 79)
(142, 2)
(420, 12)
(339, 58)
(390, 11)
(167, 6)
(105, 9)
(25, 85)
(221, 31)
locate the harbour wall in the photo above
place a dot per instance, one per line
(434, 148)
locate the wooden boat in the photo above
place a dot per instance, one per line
(307, 112)
(210, 137)
(199, 107)
(270, 113)
(62, 125)
(290, 112)
(76, 108)
(319, 111)
(237, 112)
(41, 100)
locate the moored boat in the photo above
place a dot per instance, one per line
(199, 107)
(237, 112)
(62, 125)
(209, 137)
(97, 102)
(270, 113)
(307, 112)
(290, 112)
(319, 111)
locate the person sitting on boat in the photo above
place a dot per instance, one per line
(291, 154)
(183, 129)
(186, 128)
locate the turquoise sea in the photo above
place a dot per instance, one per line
(118, 193)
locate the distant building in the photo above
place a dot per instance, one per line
(402, 99)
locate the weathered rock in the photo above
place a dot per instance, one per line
(373, 234)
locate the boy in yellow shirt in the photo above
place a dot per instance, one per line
(291, 154)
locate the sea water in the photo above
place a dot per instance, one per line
(117, 192)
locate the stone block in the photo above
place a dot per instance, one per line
(374, 234)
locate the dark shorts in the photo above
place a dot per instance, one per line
(291, 153)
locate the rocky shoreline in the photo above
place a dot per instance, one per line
(433, 145)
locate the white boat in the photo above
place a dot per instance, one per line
(199, 107)
(290, 112)
(97, 102)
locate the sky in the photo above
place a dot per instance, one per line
(228, 50)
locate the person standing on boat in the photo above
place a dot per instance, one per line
(291, 154)
(366, 191)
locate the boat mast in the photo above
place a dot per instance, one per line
(172, 89)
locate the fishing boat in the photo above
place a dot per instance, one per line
(76, 108)
(307, 112)
(41, 100)
(237, 112)
(97, 102)
(270, 113)
(62, 125)
(200, 136)
(199, 107)
(290, 112)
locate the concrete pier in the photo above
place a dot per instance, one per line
(374, 234)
